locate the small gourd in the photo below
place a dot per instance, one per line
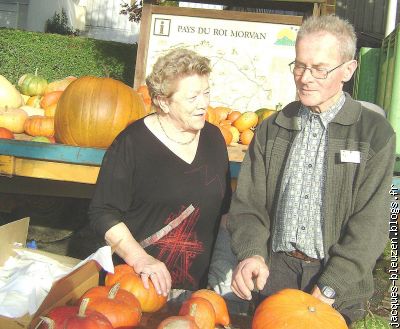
(32, 84)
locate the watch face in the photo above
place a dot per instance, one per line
(328, 292)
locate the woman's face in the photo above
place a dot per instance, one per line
(187, 106)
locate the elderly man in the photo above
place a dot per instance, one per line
(311, 209)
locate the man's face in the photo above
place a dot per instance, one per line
(321, 50)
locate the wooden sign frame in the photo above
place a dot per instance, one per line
(237, 16)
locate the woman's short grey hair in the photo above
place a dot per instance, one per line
(340, 28)
(170, 68)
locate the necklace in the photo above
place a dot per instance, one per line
(171, 139)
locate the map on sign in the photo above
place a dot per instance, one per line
(249, 59)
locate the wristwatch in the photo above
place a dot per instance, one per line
(327, 291)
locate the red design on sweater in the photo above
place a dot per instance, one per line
(179, 248)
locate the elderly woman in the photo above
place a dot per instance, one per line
(170, 167)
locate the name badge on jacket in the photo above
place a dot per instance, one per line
(350, 156)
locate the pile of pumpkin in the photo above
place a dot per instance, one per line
(30, 107)
(123, 298)
(236, 127)
(86, 111)
(91, 111)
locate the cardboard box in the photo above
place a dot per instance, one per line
(65, 291)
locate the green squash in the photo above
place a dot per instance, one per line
(32, 84)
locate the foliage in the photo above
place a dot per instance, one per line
(371, 321)
(134, 10)
(59, 24)
(57, 56)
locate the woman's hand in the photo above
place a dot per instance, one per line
(149, 267)
(125, 245)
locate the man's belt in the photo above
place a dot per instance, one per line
(300, 255)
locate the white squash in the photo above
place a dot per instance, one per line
(13, 119)
(9, 96)
(30, 110)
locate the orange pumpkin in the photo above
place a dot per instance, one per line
(6, 133)
(226, 133)
(120, 307)
(221, 112)
(218, 303)
(37, 125)
(201, 310)
(150, 300)
(246, 121)
(234, 115)
(74, 317)
(225, 122)
(144, 91)
(295, 309)
(211, 116)
(246, 136)
(119, 270)
(59, 85)
(49, 102)
(92, 111)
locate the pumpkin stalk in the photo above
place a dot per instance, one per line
(114, 290)
(193, 309)
(311, 309)
(43, 319)
(82, 307)
(36, 72)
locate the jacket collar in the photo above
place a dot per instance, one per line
(348, 115)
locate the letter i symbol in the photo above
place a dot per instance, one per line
(162, 27)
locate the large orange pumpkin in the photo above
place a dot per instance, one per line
(295, 309)
(92, 111)
(150, 300)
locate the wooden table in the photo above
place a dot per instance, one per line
(68, 170)
(64, 164)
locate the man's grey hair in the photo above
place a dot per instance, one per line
(338, 27)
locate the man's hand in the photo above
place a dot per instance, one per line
(316, 292)
(248, 269)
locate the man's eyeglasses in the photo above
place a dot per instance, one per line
(298, 70)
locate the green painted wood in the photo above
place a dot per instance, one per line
(52, 152)
(65, 153)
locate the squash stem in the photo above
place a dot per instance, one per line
(82, 307)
